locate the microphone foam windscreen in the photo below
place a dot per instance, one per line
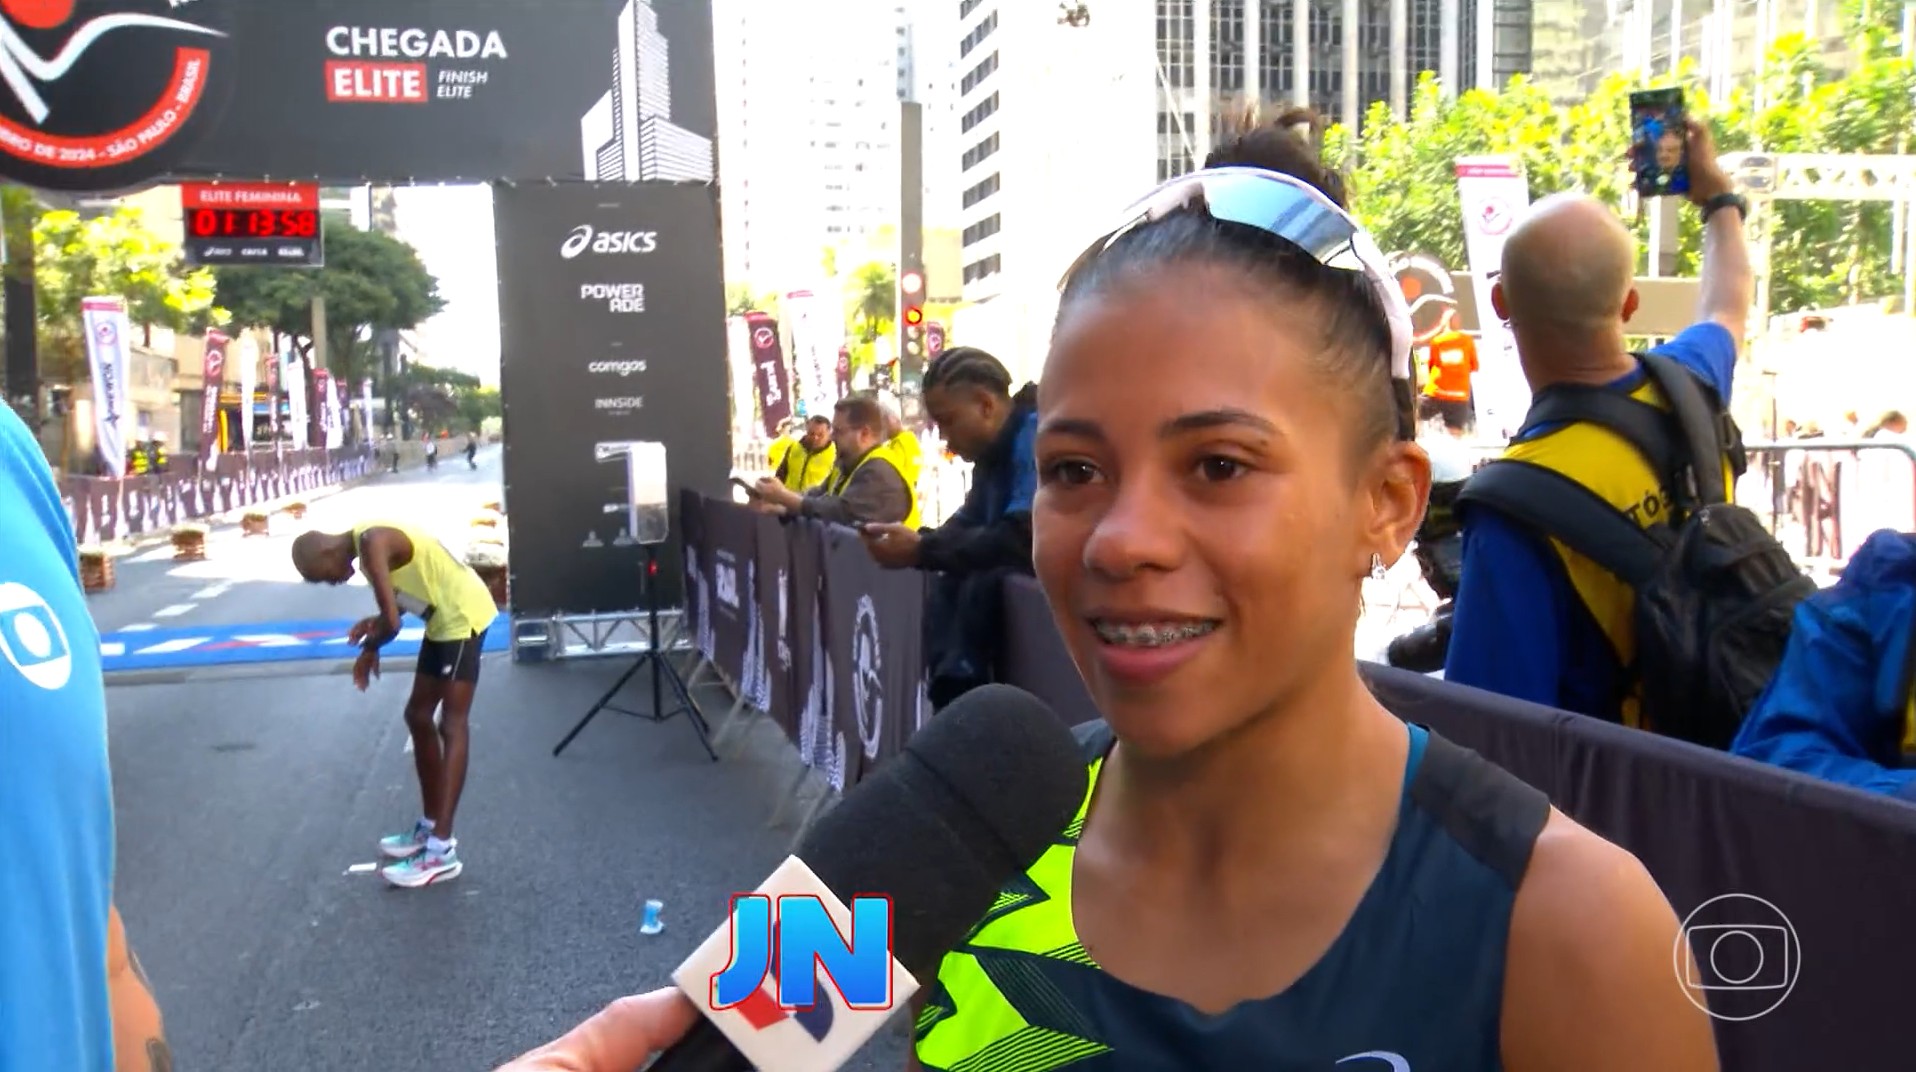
(976, 797)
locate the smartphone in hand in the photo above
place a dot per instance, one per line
(1659, 142)
(750, 491)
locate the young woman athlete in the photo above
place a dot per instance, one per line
(1271, 870)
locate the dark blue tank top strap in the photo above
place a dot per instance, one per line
(1489, 812)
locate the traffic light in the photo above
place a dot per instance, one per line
(911, 318)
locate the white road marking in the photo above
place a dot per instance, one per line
(168, 647)
(175, 611)
(140, 627)
(156, 555)
(112, 649)
(361, 869)
(213, 591)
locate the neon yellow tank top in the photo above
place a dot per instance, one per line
(436, 586)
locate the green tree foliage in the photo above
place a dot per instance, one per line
(871, 301)
(372, 282)
(76, 257)
(1403, 183)
(444, 399)
(739, 301)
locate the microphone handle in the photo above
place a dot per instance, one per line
(703, 1049)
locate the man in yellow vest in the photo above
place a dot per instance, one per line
(1534, 619)
(876, 478)
(804, 460)
(410, 571)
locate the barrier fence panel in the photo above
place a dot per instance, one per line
(104, 509)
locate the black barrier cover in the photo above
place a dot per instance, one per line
(583, 374)
(873, 630)
(351, 91)
(773, 561)
(697, 592)
(727, 561)
(810, 694)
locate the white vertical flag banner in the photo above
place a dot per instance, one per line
(106, 325)
(366, 406)
(817, 386)
(292, 376)
(1494, 194)
(249, 382)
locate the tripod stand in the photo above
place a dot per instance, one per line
(663, 672)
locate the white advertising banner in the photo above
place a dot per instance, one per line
(815, 334)
(366, 408)
(1494, 195)
(248, 383)
(106, 325)
(292, 375)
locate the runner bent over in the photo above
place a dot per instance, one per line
(411, 571)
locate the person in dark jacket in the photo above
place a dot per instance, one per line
(875, 479)
(967, 394)
(1842, 705)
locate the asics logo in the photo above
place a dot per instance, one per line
(584, 237)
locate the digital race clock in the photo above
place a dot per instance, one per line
(252, 223)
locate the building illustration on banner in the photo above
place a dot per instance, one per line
(629, 136)
(644, 496)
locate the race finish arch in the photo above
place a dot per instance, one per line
(593, 119)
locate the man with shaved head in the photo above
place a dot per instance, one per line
(1535, 620)
(411, 572)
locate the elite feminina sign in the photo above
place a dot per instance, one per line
(105, 95)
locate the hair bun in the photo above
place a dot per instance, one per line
(1287, 143)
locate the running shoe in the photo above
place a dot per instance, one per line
(400, 846)
(424, 868)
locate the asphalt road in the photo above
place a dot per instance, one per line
(246, 795)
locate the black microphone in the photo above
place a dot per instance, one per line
(975, 798)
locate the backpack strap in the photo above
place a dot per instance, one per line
(1555, 505)
(1641, 424)
(1703, 422)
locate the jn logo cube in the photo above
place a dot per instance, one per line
(794, 939)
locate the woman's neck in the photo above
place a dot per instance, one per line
(1327, 752)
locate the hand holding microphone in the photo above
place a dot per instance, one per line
(621, 1037)
(975, 799)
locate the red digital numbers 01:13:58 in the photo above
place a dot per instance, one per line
(254, 223)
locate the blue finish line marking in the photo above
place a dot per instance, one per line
(259, 642)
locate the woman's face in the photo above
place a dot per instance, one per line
(1202, 529)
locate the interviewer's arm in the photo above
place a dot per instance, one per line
(139, 1036)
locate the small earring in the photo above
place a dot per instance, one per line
(1378, 571)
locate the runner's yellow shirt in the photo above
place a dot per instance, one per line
(436, 586)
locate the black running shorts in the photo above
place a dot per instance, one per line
(452, 660)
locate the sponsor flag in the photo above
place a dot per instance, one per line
(294, 377)
(771, 379)
(213, 378)
(105, 322)
(1494, 194)
(249, 382)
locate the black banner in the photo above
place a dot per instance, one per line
(771, 379)
(612, 317)
(349, 91)
(773, 571)
(698, 595)
(730, 538)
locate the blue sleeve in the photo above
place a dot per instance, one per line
(1709, 350)
(1506, 635)
(1024, 468)
(1819, 714)
(20, 453)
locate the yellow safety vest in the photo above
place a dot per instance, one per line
(1605, 463)
(813, 467)
(901, 453)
